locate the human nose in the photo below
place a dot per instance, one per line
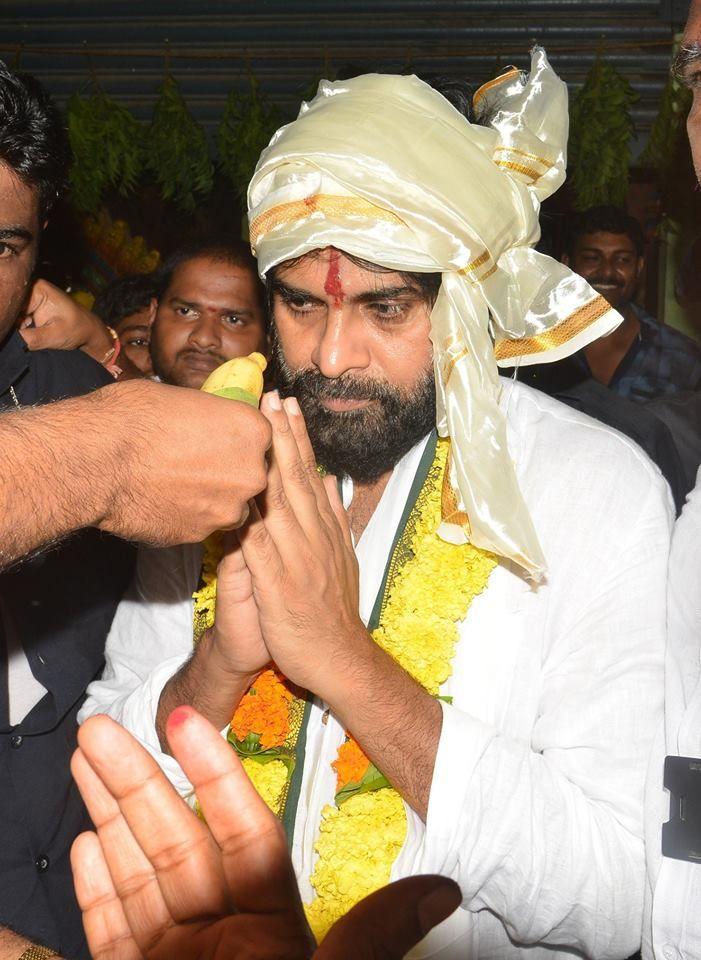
(205, 333)
(341, 346)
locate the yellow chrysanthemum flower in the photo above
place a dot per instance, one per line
(358, 843)
(269, 779)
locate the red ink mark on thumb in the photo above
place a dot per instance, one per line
(180, 715)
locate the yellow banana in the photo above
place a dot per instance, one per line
(238, 379)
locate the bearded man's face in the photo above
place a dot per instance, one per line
(352, 344)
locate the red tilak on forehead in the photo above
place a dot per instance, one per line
(332, 284)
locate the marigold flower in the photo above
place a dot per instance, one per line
(350, 765)
(264, 709)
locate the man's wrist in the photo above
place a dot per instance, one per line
(221, 664)
(99, 341)
(358, 659)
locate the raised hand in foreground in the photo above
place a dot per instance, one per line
(155, 882)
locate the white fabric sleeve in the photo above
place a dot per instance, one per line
(150, 639)
(545, 832)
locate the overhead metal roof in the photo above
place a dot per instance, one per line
(211, 45)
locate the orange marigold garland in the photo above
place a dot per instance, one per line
(264, 711)
(350, 765)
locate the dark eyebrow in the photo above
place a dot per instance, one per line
(16, 233)
(387, 293)
(184, 303)
(287, 291)
(131, 327)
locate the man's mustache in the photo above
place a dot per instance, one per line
(191, 352)
(313, 384)
(604, 282)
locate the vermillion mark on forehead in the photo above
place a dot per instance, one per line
(333, 285)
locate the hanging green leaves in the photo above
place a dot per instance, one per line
(601, 129)
(107, 146)
(177, 155)
(668, 127)
(247, 124)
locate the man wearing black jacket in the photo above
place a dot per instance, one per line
(56, 607)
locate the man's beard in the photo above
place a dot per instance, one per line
(367, 442)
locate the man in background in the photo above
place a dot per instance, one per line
(125, 306)
(209, 309)
(641, 359)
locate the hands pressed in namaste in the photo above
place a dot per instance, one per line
(156, 883)
(298, 550)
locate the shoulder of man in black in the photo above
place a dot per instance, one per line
(43, 376)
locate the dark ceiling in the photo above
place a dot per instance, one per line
(287, 43)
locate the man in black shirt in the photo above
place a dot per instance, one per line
(55, 608)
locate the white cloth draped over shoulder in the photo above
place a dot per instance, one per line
(386, 169)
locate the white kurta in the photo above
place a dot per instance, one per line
(673, 926)
(536, 800)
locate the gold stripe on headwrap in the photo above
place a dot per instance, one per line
(554, 337)
(331, 205)
(533, 175)
(524, 153)
(471, 269)
(511, 74)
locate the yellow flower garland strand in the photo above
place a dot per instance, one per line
(428, 595)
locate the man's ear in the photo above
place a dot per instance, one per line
(639, 268)
(152, 310)
(565, 258)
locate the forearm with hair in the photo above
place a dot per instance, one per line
(397, 724)
(59, 464)
(204, 683)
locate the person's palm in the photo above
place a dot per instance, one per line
(156, 883)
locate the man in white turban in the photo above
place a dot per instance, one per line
(460, 671)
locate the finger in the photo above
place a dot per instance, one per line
(286, 457)
(177, 846)
(256, 862)
(387, 924)
(37, 299)
(304, 444)
(38, 338)
(339, 511)
(132, 875)
(259, 549)
(106, 928)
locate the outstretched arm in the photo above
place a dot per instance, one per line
(145, 461)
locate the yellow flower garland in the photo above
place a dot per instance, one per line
(431, 585)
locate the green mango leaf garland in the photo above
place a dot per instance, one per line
(668, 127)
(247, 124)
(107, 143)
(177, 154)
(601, 129)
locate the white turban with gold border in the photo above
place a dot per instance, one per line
(386, 169)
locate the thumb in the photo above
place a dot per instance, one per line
(388, 923)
